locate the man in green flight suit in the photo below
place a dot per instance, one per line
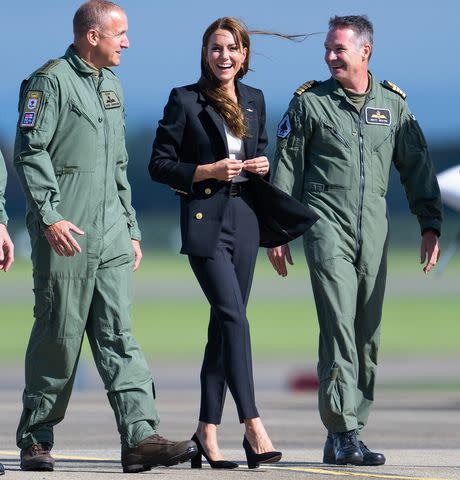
(71, 160)
(335, 148)
(6, 245)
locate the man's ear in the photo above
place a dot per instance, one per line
(93, 37)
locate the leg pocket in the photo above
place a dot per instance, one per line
(330, 395)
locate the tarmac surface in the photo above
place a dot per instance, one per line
(415, 424)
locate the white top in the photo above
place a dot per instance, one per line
(235, 151)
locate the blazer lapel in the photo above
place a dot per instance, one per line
(215, 117)
(250, 117)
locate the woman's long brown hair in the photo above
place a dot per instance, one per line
(212, 88)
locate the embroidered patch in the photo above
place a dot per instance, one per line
(284, 127)
(378, 116)
(30, 110)
(28, 119)
(110, 100)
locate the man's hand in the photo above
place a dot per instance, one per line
(278, 257)
(6, 249)
(137, 254)
(61, 240)
(429, 250)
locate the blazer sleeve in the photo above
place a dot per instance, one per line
(165, 163)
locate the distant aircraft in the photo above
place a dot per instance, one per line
(449, 184)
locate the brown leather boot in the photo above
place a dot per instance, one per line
(154, 451)
(37, 458)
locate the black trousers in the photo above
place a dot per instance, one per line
(226, 281)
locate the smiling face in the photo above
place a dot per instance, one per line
(346, 56)
(111, 40)
(224, 55)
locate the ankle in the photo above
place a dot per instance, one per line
(205, 430)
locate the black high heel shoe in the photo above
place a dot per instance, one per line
(254, 458)
(196, 460)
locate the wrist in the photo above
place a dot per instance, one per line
(203, 172)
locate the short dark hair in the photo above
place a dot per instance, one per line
(92, 14)
(360, 24)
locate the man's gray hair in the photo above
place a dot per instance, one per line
(92, 14)
(360, 24)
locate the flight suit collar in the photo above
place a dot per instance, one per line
(78, 63)
(337, 89)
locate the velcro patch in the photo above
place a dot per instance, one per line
(110, 100)
(284, 127)
(31, 108)
(378, 116)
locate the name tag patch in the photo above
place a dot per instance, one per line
(110, 100)
(378, 116)
(30, 109)
(284, 127)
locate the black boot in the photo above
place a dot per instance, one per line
(346, 448)
(371, 458)
(328, 451)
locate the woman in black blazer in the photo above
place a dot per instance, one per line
(209, 148)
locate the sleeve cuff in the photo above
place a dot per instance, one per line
(135, 233)
(51, 217)
(430, 224)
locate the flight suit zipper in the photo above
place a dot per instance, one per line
(362, 180)
(106, 135)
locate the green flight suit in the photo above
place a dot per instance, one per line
(71, 160)
(3, 175)
(337, 161)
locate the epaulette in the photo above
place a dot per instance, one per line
(306, 86)
(44, 69)
(391, 86)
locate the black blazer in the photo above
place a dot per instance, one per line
(192, 133)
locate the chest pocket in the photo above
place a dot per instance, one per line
(329, 154)
(382, 153)
(77, 144)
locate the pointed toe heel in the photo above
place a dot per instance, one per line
(196, 461)
(255, 459)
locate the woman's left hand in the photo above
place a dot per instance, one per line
(258, 165)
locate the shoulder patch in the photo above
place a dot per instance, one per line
(30, 109)
(306, 86)
(44, 69)
(391, 86)
(284, 127)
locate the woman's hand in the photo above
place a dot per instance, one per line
(225, 170)
(258, 165)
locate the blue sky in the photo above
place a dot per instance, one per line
(414, 48)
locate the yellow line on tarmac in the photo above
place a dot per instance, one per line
(347, 473)
(338, 473)
(12, 453)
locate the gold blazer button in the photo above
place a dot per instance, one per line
(207, 191)
(199, 216)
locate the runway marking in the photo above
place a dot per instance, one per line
(344, 473)
(347, 473)
(12, 453)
